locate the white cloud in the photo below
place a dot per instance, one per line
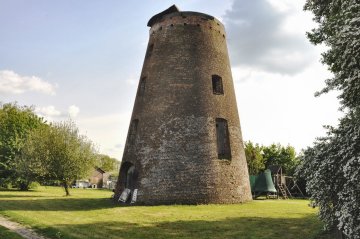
(48, 111)
(73, 111)
(281, 108)
(260, 36)
(13, 83)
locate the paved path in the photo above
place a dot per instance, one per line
(19, 229)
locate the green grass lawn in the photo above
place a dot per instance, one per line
(5, 233)
(91, 214)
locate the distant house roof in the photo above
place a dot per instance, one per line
(100, 170)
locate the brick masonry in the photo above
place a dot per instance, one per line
(174, 148)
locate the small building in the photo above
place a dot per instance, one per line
(81, 184)
(98, 178)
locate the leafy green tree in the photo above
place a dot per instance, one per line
(338, 28)
(332, 166)
(16, 123)
(254, 158)
(276, 154)
(68, 155)
(106, 163)
(32, 161)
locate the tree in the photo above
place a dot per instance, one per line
(332, 166)
(32, 161)
(254, 158)
(276, 154)
(338, 28)
(72, 156)
(69, 155)
(106, 163)
(331, 169)
(261, 157)
(16, 123)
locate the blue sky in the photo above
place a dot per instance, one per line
(82, 59)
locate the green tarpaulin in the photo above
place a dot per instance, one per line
(252, 182)
(263, 182)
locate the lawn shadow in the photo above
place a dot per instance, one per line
(239, 227)
(57, 204)
(19, 196)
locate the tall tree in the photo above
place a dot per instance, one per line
(71, 156)
(254, 158)
(16, 123)
(332, 166)
(31, 163)
(106, 163)
(276, 154)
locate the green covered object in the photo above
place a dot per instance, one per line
(252, 182)
(264, 183)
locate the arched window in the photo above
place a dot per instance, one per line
(128, 180)
(223, 139)
(127, 175)
(217, 85)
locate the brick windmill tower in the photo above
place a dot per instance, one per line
(184, 143)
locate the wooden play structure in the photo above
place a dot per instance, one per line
(286, 186)
(274, 183)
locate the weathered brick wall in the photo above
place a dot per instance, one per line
(175, 147)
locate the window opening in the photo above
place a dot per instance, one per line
(129, 183)
(128, 180)
(217, 85)
(223, 141)
(142, 86)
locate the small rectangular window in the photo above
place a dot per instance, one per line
(141, 90)
(223, 140)
(217, 85)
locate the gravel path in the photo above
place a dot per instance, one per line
(19, 229)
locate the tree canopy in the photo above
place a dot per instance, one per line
(69, 155)
(16, 123)
(106, 163)
(33, 150)
(260, 157)
(332, 166)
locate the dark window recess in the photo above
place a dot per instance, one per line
(142, 87)
(129, 183)
(133, 130)
(149, 50)
(223, 141)
(217, 85)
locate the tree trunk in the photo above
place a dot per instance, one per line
(66, 187)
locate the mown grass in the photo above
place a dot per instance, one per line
(7, 234)
(91, 214)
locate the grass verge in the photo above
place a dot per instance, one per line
(91, 214)
(7, 234)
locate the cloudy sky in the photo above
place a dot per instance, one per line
(82, 60)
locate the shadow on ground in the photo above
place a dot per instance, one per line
(240, 227)
(56, 204)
